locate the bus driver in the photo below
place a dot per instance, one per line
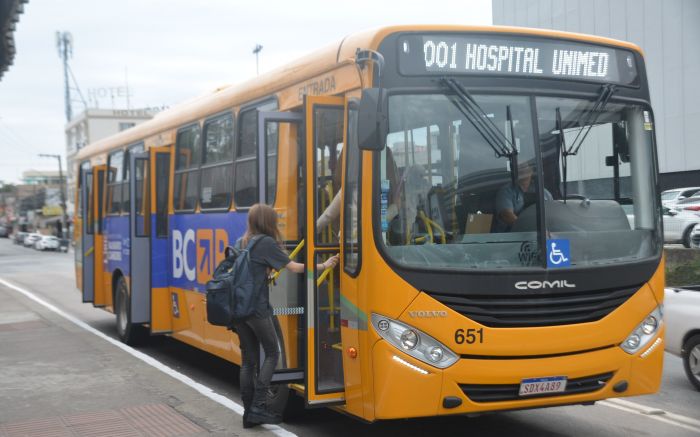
(510, 199)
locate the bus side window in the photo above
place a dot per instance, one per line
(187, 158)
(115, 166)
(215, 191)
(138, 148)
(246, 165)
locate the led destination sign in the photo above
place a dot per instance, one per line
(511, 56)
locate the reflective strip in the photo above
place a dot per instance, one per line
(288, 311)
(89, 251)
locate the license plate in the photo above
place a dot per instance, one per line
(536, 386)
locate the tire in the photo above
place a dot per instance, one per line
(128, 332)
(686, 237)
(691, 360)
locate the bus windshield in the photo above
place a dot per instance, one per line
(576, 171)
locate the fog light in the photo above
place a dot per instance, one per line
(435, 353)
(633, 341)
(409, 339)
(650, 324)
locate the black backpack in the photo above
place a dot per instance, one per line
(231, 294)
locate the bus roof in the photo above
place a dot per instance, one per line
(313, 64)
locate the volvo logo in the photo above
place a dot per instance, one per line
(537, 285)
(427, 314)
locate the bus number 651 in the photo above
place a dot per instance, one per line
(469, 336)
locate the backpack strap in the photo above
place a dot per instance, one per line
(253, 241)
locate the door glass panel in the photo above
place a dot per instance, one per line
(162, 182)
(329, 349)
(89, 204)
(328, 144)
(141, 200)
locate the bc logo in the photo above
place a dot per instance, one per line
(196, 255)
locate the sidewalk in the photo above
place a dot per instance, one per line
(57, 379)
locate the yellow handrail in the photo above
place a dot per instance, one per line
(429, 224)
(292, 255)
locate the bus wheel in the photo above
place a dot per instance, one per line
(686, 237)
(278, 394)
(128, 333)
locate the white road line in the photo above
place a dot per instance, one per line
(202, 389)
(653, 413)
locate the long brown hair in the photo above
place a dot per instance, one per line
(262, 219)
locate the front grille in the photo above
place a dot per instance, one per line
(509, 392)
(537, 310)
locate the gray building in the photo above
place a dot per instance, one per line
(668, 32)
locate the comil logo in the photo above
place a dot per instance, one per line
(196, 254)
(538, 285)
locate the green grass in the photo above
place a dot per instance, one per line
(683, 274)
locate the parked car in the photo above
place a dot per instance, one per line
(47, 242)
(30, 239)
(670, 197)
(689, 204)
(678, 225)
(4, 233)
(19, 237)
(63, 244)
(695, 237)
(682, 318)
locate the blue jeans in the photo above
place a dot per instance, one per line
(253, 333)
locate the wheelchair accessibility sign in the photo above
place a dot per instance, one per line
(558, 253)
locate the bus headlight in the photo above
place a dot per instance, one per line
(644, 332)
(412, 341)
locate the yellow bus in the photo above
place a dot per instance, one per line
(499, 224)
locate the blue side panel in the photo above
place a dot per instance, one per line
(196, 245)
(159, 259)
(117, 244)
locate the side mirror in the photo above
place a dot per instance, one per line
(681, 197)
(371, 119)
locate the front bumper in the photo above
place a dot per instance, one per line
(405, 387)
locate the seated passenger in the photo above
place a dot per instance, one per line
(510, 199)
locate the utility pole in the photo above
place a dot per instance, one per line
(64, 44)
(258, 48)
(64, 219)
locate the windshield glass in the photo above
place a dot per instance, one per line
(451, 198)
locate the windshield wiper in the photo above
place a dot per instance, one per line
(501, 145)
(592, 116)
(478, 118)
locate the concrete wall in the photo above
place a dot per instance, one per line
(669, 33)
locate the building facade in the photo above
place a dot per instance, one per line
(669, 34)
(94, 124)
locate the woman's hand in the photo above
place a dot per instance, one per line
(331, 262)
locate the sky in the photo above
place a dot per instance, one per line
(169, 51)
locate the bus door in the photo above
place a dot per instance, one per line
(280, 185)
(324, 349)
(162, 308)
(88, 242)
(102, 297)
(139, 236)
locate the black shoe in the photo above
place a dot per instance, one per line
(260, 415)
(247, 423)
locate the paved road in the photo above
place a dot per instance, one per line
(50, 276)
